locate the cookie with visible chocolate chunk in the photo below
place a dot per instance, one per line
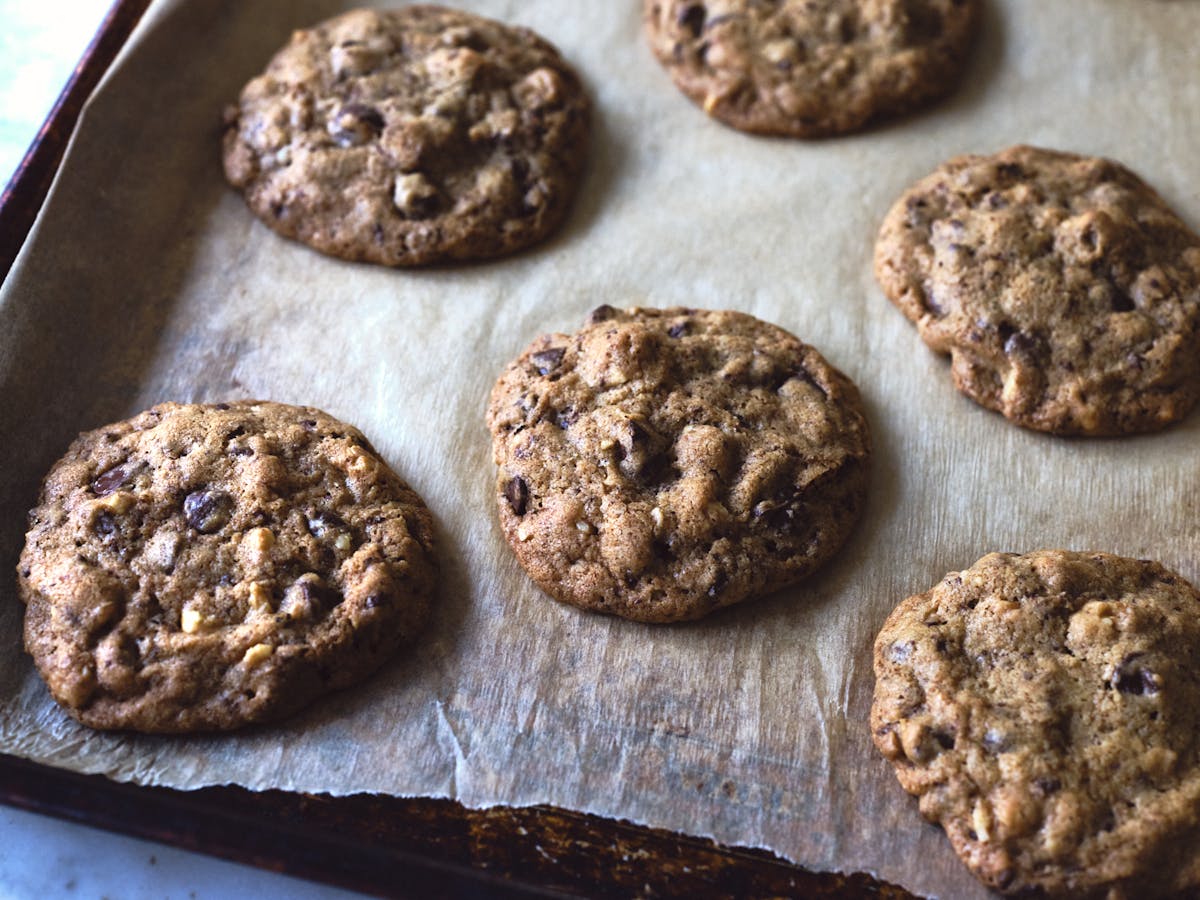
(203, 567)
(807, 69)
(1045, 709)
(410, 136)
(1065, 291)
(660, 464)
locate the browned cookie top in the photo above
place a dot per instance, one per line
(808, 68)
(1046, 710)
(659, 464)
(203, 567)
(410, 136)
(1065, 291)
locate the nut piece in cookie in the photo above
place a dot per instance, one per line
(410, 136)
(808, 69)
(660, 464)
(1045, 709)
(202, 567)
(1065, 291)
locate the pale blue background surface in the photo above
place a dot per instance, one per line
(40, 857)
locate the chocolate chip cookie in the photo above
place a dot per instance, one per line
(1065, 291)
(660, 464)
(808, 69)
(203, 567)
(1046, 710)
(410, 136)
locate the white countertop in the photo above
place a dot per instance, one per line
(42, 857)
(39, 46)
(46, 858)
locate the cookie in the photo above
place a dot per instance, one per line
(204, 567)
(660, 464)
(809, 69)
(410, 136)
(1046, 710)
(1065, 291)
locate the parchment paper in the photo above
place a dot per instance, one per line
(147, 279)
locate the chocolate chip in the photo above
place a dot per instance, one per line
(679, 329)
(944, 739)
(917, 212)
(1010, 170)
(519, 169)
(546, 361)
(535, 198)
(207, 511)
(325, 522)
(601, 314)
(1047, 786)
(995, 741)
(1122, 302)
(355, 124)
(111, 480)
(364, 113)
(933, 304)
(691, 18)
(376, 600)
(517, 494)
(308, 598)
(1019, 343)
(786, 512)
(775, 513)
(415, 197)
(802, 374)
(718, 584)
(221, 406)
(1131, 677)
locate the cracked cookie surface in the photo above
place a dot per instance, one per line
(410, 136)
(810, 68)
(202, 567)
(1064, 290)
(1045, 709)
(660, 464)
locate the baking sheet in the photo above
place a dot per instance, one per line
(146, 279)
